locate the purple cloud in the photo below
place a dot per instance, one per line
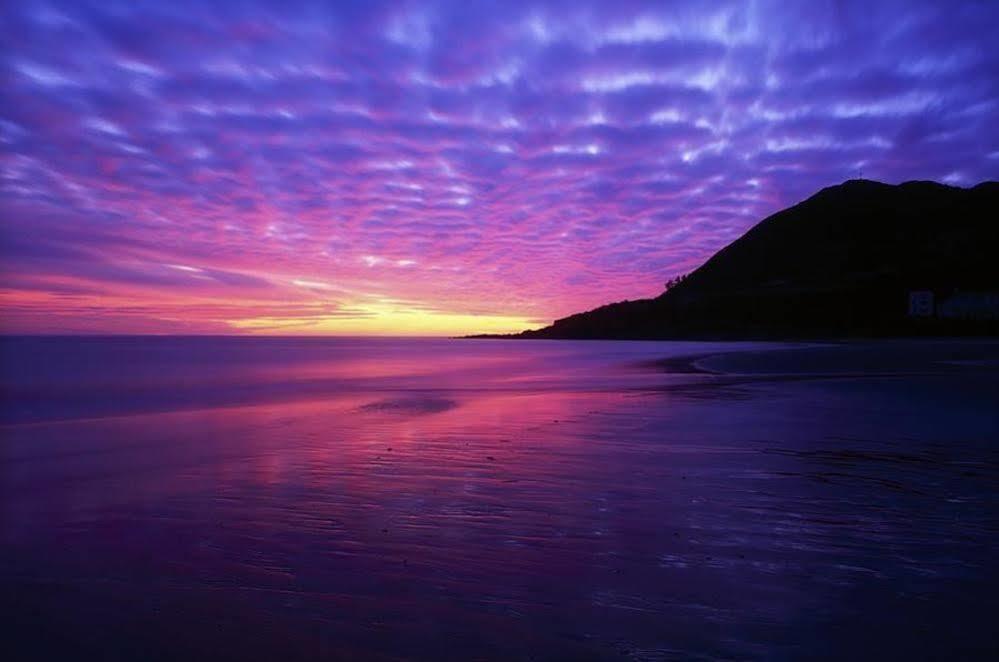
(517, 159)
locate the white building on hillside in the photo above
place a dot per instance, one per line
(921, 303)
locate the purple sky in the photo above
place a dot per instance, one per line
(422, 167)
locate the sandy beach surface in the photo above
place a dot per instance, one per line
(227, 498)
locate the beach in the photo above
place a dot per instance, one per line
(261, 498)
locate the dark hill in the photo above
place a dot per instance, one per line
(841, 263)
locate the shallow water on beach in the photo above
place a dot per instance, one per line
(163, 498)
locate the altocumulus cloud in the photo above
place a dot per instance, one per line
(198, 166)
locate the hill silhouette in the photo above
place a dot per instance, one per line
(842, 263)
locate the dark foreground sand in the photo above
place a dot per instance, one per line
(864, 359)
(551, 500)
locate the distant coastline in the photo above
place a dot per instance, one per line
(859, 260)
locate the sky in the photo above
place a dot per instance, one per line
(436, 168)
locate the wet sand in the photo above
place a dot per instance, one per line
(592, 501)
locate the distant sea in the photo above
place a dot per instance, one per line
(316, 498)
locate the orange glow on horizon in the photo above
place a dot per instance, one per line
(387, 319)
(131, 311)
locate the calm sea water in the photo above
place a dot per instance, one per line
(275, 498)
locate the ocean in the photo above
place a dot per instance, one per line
(384, 499)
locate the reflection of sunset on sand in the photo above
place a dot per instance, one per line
(400, 491)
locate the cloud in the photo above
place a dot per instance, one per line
(516, 159)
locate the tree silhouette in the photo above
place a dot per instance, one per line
(673, 282)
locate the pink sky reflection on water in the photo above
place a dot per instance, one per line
(576, 501)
